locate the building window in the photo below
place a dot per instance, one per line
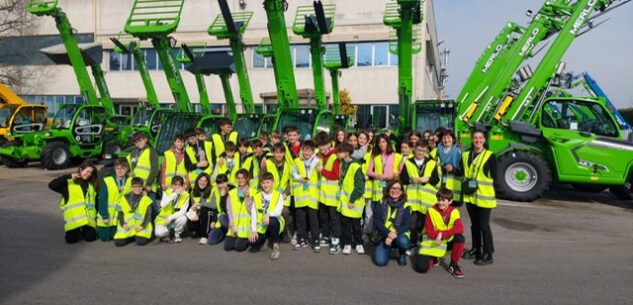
(53, 102)
(260, 61)
(126, 62)
(302, 56)
(364, 54)
(151, 59)
(115, 60)
(393, 59)
(381, 54)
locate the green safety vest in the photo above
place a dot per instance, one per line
(173, 168)
(347, 187)
(484, 197)
(377, 189)
(329, 188)
(80, 210)
(428, 246)
(115, 193)
(241, 216)
(171, 208)
(420, 196)
(134, 218)
(259, 207)
(306, 194)
(193, 158)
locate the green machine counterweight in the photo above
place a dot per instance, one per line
(312, 22)
(284, 71)
(231, 26)
(402, 15)
(155, 20)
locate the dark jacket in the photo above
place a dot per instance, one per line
(380, 217)
(60, 185)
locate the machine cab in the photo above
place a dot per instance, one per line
(584, 137)
(86, 123)
(309, 121)
(21, 119)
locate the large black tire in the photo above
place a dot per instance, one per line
(589, 188)
(56, 155)
(621, 191)
(522, 176)
(13, 163)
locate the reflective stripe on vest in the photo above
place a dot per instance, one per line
(143, 165)
(421, 196)
(223, 169)
(218, 143)
(115, 192)
(484, 197)
(347, 187)
(306, 194)
(428, 246)
(329, 188)
(80, 210)
(391, 217)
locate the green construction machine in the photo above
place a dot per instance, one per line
(146, 119)
(155, 20)
(77, 131)
(337, 57)
(540, 137)
(310, 22)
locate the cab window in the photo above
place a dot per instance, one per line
(578, 115)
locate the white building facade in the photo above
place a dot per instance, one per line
(372, 81)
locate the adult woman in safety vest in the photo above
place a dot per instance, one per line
(78, 202)
(393, 222)
(266, 220)
(238, 207)
(449, 157)
(174, 163)
(134, 216)
(384, 166)
(443, 231)
(480, 164)
(421, 179)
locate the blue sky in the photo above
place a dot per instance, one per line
(468, 26)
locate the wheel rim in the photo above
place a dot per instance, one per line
(59, 156)
(521, 176)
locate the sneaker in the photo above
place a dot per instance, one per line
(347, 249)
(293, 240)
(316, 247)
(203, 241)
(455, 271)
(177, 238)
(335, 247)
(300, 245)
(324, 242)
(402, 259)
(360, 250)
(409, 252)
(436, 262)
(275, 254)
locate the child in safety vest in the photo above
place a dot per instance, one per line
(143, 162)
(134, 216)
(266, 220)
(111, 190)
(238, 208)
(443, 231)
(228, 163)
(220, 139)
(330, 170)
(305, 191)
(201, 209)
(173, 207)
(421, 178)
(253, 163)
(78, 202)
(219, 197)
(351, 201)
(174, 163)
(198, 155)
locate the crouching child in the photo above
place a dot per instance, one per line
(173, 208)
(134, 217)
(266, 220)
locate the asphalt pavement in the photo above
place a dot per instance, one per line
(570, 248)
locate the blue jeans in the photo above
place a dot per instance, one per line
(383, 252)
(217, 234)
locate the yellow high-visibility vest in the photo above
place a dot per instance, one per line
(347, 187)
(259, 207)
(80, 210)
(134, 218)
(484, 197)
(115, 192)
(428, 246)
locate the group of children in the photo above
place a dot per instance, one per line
(339, 192)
